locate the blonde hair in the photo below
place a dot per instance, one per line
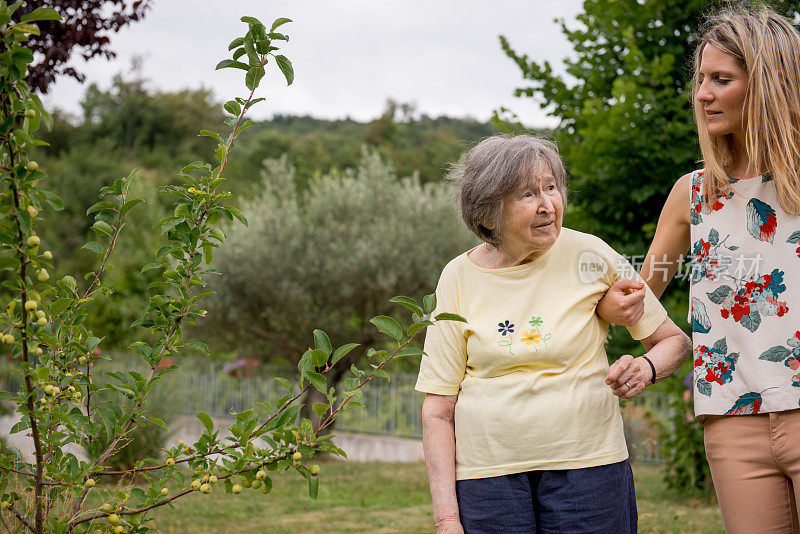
(767, 46)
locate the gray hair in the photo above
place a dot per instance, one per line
(493, 170)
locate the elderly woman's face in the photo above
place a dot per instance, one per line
(532, 216)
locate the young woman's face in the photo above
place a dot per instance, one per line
(721, 91)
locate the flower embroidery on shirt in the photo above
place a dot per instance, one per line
(761, 220)
(790, 356)
(713, 365)
(793, 239)
(506, 328)
(752, 298)
(700, 202)
(707, 262)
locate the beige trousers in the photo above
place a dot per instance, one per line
(755, 465)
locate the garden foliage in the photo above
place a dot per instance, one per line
(77, 418)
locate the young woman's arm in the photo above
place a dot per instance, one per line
(623, 304)
(439, 445)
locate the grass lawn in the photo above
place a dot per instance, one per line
(384, 498)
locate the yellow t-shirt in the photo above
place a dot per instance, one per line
(529, 366)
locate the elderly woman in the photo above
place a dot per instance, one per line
(520, 428)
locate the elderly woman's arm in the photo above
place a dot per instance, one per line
(667, 348)
(439, 444)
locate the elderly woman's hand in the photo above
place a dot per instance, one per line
(628, 376)
(623, 303)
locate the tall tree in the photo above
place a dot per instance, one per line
(626, 129)
(85, 26)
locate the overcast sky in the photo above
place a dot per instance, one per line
(349, 56)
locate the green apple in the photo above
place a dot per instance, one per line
(43, 275)
(8, 339)
(47, 255)
(89, 483)
(82, 360)
(170, 461)
(48, 389)
(119, 529)
(41, 321)
(236, 489)
(33, 211)
(261, 475)
(212, 479)
(114, 519)
(32, 166)
(30, 113)
(31, 305)
(205, 488)
(296, 457)
(33, 241)
(266, 489)
(196, 484)
(5, 505)
(164, 491)
(314, 469)
(257, 484)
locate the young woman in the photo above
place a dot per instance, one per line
(740, 216)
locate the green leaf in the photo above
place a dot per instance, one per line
(285, 383)
(129, 205)
(409, 351)
(198, 345)
(206, 420)
(103, 227)
(209, 133)
(429, 302)
(383, 374)
(230, 63)
(279, 22)
(450, 317)
(253, 76)
(92, 343)
(238, 214)
(322, 341)
(318, 381)
(233, 107)
(69, 283)
(416, 327)
(341, 352)
(94, 246)
(236, 43)
(388, 326)
(313, 487)
(320, 408)
(409, 303)
(41, 13)
(102, 205)
(52, 199)
(319, 357)
(286, 68)
(251, 21)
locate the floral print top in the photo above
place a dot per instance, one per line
(745, 300)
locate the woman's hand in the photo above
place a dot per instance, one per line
(623, 303)
(668, 347)
(628, 376)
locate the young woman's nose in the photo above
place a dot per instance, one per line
(704, 96)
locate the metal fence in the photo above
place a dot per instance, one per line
(391, 408)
